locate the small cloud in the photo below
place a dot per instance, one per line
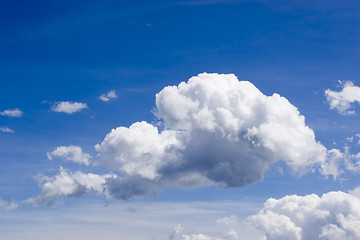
(12, 112)
(68, 184)
(6, 129)
(68, 107)
(71, 153)
(108, 96)
(358, 136)
(7, 206)
(341, 101)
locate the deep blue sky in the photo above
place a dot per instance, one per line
(77, 50)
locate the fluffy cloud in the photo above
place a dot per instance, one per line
(67, 184)
(335, 216)
(339, 161)
(215, 130)
(108, 96)
(6, 129)
(12, 113)
(71, 153)
(341, 101)
(68, 107)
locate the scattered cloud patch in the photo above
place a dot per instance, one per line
(67, 184)
(108, 96)
(71, 153)
(335, 216)
(12, 113)
(7, 206)
(341, 101)
(68, 107)
(228, 228)
(217, 130)
(6, 129)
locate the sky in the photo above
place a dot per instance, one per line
(180, 120)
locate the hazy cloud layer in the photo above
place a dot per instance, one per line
(108, 96)
(6, 129)
(217, 130)
(70, 153)
(341, 101)
(12, 113)
(68, 107)
(335, 216)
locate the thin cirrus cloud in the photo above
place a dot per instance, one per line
(106, 97)
(6, 129)
(334, 215)
(68, 107)
(12, 113)
(217, 131)
(341, 101)
(71, 153)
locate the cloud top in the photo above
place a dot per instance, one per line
(335, 216)
(12, 113)
(341, 101)
(68, 107)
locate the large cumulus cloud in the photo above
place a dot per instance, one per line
(335, 216)
(213, 129)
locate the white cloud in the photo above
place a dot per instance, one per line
(71, 153)
(335, 216)
(341, 101)
(6, 129)
(355, 192)
(217, 130)
(12, 112)
(67, 184)
(228, 228)
(7, 206)
(108, 96)
(68, 107)
(358, 136)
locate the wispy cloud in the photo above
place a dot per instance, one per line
(341, 101)
(12, 112)
(6, 129)
(108, 96)
(7, 206)
(68, 107)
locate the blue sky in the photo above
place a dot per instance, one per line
(65, 51)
